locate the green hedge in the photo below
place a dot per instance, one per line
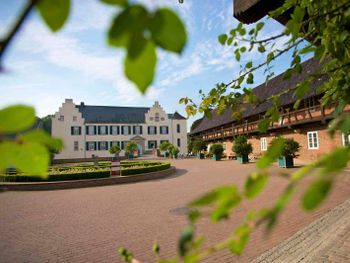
(147, 167)
(56, 177)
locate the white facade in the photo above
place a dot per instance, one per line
(83, 139)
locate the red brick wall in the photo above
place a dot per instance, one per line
(326, 143)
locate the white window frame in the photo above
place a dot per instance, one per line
(312, 147)
(114, 130)
(91, 146)
(90, 130)
(343, 139)
(125, 130)
(163, 129)
(137, 130)
(263, 144)
(152, 130)
(105, 144)
(76, 130)
(105, 128)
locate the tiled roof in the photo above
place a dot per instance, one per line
(111, 114)
(264, 91)
(176, 116)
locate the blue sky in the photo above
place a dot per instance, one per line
(43, 68)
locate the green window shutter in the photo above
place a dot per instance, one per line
(95, 146)
(167, 130)
(155, 130)
(106, 144)
(129, 128)
(110, 144)
(118, 130)
(87, 146)
(99, 129)
(122, 129)
(110, 129)
(133, 129)
(86, 130)
(148, 129)
(98, 145)
(71, 130)
(79, 130)
(106, 127)
(95, 130)
(140, 129)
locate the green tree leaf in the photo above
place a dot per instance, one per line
(185, 239)
(140, 70)
(54, 12)
(121, 3)
(168, 31)
(222, 39)
(255, 183)
(272, 153)
(127, 25)
(240, 240)
(30, 158)
(43, 138)
(316, 193)
(16, 118)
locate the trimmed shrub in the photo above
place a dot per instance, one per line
(241, 146)
(140, 170)
(216, 149)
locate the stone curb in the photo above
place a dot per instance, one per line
(38, 186)
(307, 243)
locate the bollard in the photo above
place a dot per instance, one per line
(115, 167)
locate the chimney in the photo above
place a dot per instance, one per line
(82, 104)
(68, 101)
(156, 104)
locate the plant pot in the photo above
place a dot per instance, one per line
(130, 156)
(216, 157)
(243, 158)
(286, 161)
(200, 156)
(175, 156)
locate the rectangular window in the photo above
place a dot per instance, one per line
(164, 130)
(61, 118)
(152, 144)
(312, 140)
(90, 146)
(103, 130)
(123, 144)
(91, 130)
(152, 130)
(76, 146)
(263, 144)
(178, 128)
(126, 130)
(103, 146)
(178, 143)
(74, 118)
(75, 130)
(156, 117)
(346, 139)
(114, 130)
(137, 130)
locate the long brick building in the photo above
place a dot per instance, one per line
(307, 125)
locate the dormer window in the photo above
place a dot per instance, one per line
(61, 118)
(156, 118)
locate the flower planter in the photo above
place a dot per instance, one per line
(285, 161)
(201, 155)
(243, 158)
(216, 157)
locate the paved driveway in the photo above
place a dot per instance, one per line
(87, 225)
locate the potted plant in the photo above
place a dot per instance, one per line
(198, 147)
(290, 148)
(216, 150)
(164, 147)
(115, 150)
(174, 152)
(242, 148)
(130, 148)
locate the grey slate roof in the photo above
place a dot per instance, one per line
(176, 116)
(274, 86)
(111, 114)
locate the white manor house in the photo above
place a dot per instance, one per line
(91, 130)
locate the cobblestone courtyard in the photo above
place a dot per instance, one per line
(88, 225)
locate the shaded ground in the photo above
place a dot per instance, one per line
(87, 225)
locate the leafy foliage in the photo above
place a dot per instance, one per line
(115, 149)
(131, 147)
(199, 146)
(216, 149)
(241, 146)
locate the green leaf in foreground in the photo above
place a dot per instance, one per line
(240, 240)
(30, 158)
(43, 138)
(272, 153)
(54, 12)
(168, 31)
(222, 39)
(16, 118)
(122, 3)
(316, 193)
(185, 240)
(254, 184)
(140, 69)
(126, 255)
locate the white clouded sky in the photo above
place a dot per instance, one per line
(45, 68)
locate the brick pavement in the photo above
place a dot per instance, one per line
(87, 225)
